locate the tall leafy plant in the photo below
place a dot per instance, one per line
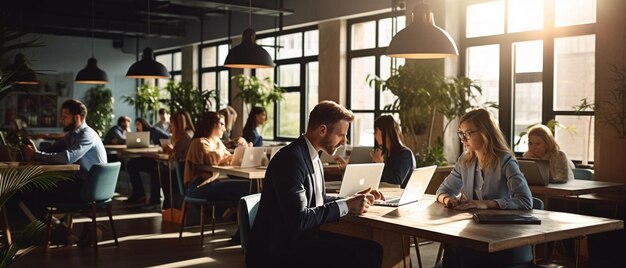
(185, 97)
(146, 101)
(100, 102)
(258, 92)
(614, 108)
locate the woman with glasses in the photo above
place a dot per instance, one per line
(399, 160)
(256, 118)
(486, 176)
(542, 145)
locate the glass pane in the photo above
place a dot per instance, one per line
(224, 90)
(268, 45)
(177, 78)
(267, 130)
(577, 139)
(483, 66)
(289, 75)
(289, 115)
(290, 46)
(177, 61)
(362, 35)
(574, 74)
(222, 52)
(388, 27)
(265, 72)
(162, 83)
(311, 43)
(528, 56)
(572, 12)
(387, 65)
(209, 81)
(209, 57)
(166, 60)
(485, 19)
(312, 82)
(527, 111)
(363, 130)
(362, 95)
(525, 15)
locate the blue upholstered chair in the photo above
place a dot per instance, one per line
(197, 201)
(96, 195)
(583, 174)
(248, 206)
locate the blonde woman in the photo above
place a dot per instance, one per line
(486, 176)
(542, 145)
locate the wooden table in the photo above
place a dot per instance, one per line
(254, 174)
(574, 188)
(427, 219)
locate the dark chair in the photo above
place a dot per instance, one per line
(248, 206)
(96, 195)
(583, 174)
(197, 201)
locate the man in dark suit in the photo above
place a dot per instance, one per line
(294, 204)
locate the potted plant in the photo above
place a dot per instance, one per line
(100, 102)
(185, 97)
(146, 101)
(257, 92)
(423, 92)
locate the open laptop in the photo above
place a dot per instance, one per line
(414, 190)
(248, 156)
(359, 177)
(326, 158)
(360, 154)
(138, 139)
(536, 171)
(165, 142)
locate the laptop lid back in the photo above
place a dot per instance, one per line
(326, 158)
(417, 185)
(360, 154)
(359, 177)
(536, 173)
(253, 157)
(138, 139)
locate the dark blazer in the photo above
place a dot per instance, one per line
(287, 215)
(399, 167)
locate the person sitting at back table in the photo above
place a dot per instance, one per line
(164, 121)
(486, 176)
(80, 145)
(144, 164)
(542, 145)
(117, 134)
(230, 116)
(294, 204)
(256, 118)
(156, 134)
(399, 160)
(182, 133)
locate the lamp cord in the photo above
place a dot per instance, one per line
(92, 25)
(250, 14)
(148, 23)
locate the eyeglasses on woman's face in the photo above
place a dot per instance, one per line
(465, 135)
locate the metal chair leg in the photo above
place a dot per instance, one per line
(182, 221)
(417, 252)
(95, 229)
(213, 220)
(201, 225)
(112, 225)
(47, 239)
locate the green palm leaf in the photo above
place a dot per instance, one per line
(15, 179)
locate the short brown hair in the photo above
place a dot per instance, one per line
(328, 113)
(75, 107)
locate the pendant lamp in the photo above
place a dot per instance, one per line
(248, 54)
(147, 67)
(20, 73)
(91, 74)
(422, 39)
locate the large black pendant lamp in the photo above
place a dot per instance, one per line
(147, 67)
(248, 54)
(422, 39)
(91, 74)
(20, 73)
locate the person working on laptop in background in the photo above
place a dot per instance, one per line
(294, 204)
(399, 160)
(144, 164)
(164, 121)
(542, 145)
(486, 176)
(80, 145)
(117, 134)
(256, 118)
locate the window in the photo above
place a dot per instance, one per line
(213, 74)
(172, 60)
(537, 68)
(296, 71)
(366, 57)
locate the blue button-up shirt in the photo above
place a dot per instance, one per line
(82, 145)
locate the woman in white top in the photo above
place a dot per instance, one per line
(542, 145)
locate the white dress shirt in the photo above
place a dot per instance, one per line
(319, 180)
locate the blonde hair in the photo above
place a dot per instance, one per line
(544, 133)
(182, 123)
(230, 116)
(493, 140)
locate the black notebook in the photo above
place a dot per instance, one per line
(506, 218)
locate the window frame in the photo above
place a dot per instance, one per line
(217, 69)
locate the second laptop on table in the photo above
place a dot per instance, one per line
(359, 177)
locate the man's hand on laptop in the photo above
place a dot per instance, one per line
(377, 194)
(359, 203)
(29, 150)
